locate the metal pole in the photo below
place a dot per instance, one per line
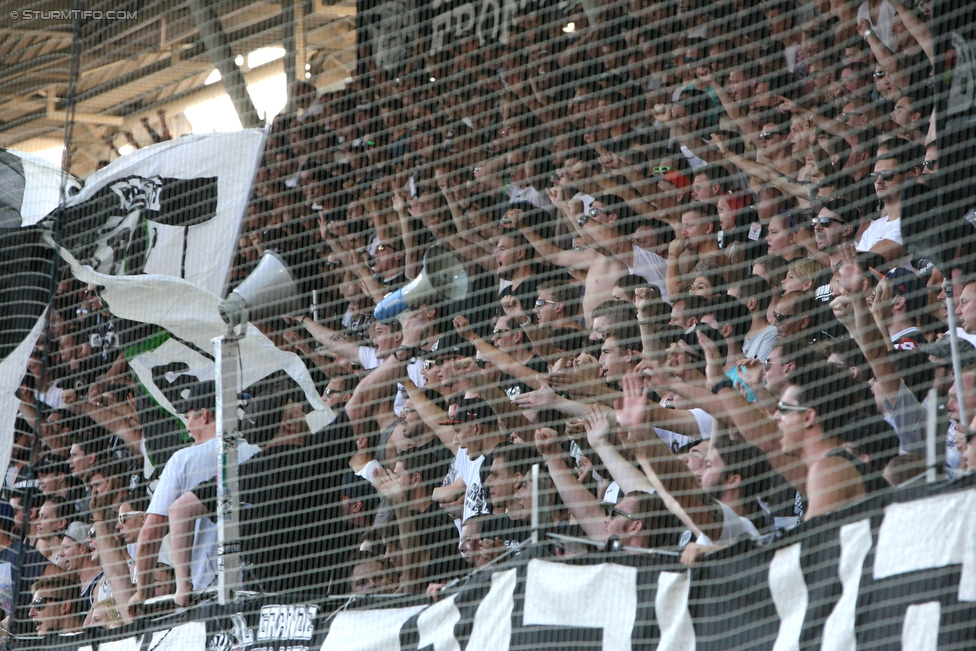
(212, 34)
(931, 419)
(228, 530)
(288, 40)
(535, 503)
(954, 346)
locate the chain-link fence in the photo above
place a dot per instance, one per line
(487, 324)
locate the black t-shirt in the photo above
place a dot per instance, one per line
(292, 530)
(823, 320)
(437, 532)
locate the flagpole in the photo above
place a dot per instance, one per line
(227, 361)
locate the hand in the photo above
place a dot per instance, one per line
(434, 591)
(848, 276)
(633, 409)
(399, 204)
(184, 593)
(610, 161)
(388, 486)
(720, 142)
(863, 26)
(414, 327)
(786, 105)
(662, 112)
(882, 298)
(705, 74)
(597, 427)
(677, 246)
(751, 372)
(584, 469)
(574, 209)
(464, 329)
(691, 554)
(513, 308)
(542, 397)
(547, 443)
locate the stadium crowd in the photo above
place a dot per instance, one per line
(689, 302)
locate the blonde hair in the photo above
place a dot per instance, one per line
(805, 269)
(111, 613)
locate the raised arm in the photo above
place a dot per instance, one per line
(500, 359)
(329, 338)
(582, 504)
(660, 465)
(415, 558)
(110, 555)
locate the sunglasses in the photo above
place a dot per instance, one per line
(481, 363)
(787, 407)
(825, 221)
(541, 301)
(497, 332)
(879, 74)
(929, 164)
(40, 602)
(887, 175)
(124, 516)
(766, 135)
(779, 318)
(328, 394)
(613, 510)
(661, 170)
(594, 211)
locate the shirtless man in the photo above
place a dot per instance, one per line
(602, 269)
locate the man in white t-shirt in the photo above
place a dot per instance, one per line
(883, 235)
(186, 469)
(478, 434)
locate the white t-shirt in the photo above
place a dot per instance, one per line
(470, 473)
(880, 229)
(186, 470)
(652, 268)
(190, 467)
(733, 526)
(759, 347)
(369, 361)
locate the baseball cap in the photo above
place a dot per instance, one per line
(77, 531)
(451, 345)
(203, 395)
(53, 463)
(905, 283)
(471, 410)
(942, 349)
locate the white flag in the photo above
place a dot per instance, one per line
(173, 209)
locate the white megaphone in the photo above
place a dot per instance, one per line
(443, 276)
(268, 291)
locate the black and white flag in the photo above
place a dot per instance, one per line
(171, 209)
(30, 188)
